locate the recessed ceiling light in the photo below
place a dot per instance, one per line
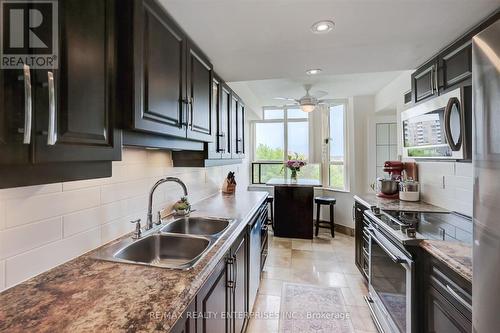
(322, 27)
(313, 71)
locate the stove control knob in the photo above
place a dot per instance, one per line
(411, 232)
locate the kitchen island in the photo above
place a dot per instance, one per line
(293, 204)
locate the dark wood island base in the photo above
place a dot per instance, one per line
(293, 205)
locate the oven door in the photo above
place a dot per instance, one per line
(435, 129)
(390, 284)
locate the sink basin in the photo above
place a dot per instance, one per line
(169, 251)
(196, 226)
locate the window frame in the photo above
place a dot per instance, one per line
(345, 162)
(325, 134)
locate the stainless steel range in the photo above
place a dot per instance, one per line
(391, 263)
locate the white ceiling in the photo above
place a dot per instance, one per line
(271, 39)
(337, 87)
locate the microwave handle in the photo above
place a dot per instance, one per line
(447, 127)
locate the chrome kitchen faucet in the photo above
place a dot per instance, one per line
(149, 222)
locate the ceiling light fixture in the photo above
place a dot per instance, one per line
(322, 27)
(308, 107)
(314, 71)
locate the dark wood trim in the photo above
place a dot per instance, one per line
(27, 175)
(140, 139)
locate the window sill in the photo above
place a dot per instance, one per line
(330, 189)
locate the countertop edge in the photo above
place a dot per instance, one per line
(435, 249)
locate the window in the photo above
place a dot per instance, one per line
(337, 144)
(284, 131)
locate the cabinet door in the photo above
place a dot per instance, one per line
(456, 66)
(159, 66)
(443, 317)
(233, 125)
(225, 121)
(212, 302)
(424, 82)
(186, 324)
(240, 129)
(199, 79)
(15, 87)
(240, 298)
(74, 102)
(215, 147)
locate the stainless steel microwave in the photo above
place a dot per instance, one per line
(439, 128)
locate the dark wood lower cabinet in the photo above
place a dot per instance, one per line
(212, 302)
(443, 317)
(361, 239)
(186, 324)
(239, 298)
(222, 303)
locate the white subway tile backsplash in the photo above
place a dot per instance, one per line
(120, 191)
(464, 169)
(29, 191)
(14, 241)
(81, 221)
(119, 227)
(25, 210)
(28, 264)
(44, 226)
(457, 193)
(2, 216)
(79, 184)
(2, 275)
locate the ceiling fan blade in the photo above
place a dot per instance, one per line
(319, 93)
(285, 99)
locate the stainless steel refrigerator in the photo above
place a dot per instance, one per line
(486, 115)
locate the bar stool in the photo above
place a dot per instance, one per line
(270, 200)
(331, 224)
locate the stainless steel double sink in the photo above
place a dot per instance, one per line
(179, 244)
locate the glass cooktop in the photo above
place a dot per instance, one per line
(440, 226)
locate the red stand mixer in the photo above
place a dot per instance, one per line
(389, 188)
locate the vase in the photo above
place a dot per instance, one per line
(293, 176)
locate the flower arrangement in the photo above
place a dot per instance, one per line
(182, 207)
(294, 165)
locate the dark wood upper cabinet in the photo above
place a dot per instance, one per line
(240, 129)
(159, 80)
(199, 83)
(214, 148)
(455, 65)
(73, 134)
(74, 103)
(13, 115)
(225, 133)
(424, 82)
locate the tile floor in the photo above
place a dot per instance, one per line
(322, 261)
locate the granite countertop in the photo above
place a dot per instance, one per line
(370, 199)
(289, 182)
(457, 256)
(89, 295)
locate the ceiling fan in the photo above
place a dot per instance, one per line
(309, 101)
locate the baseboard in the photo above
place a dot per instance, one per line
(340, 228)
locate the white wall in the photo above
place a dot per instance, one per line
(46, 225)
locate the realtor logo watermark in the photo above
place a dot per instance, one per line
(29, 34)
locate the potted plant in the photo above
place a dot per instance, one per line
(182, 207)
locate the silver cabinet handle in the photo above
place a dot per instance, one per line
(436, 82)
(52, 134)
(456, 296)
(28, 106)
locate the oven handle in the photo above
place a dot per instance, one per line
(393, 257)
